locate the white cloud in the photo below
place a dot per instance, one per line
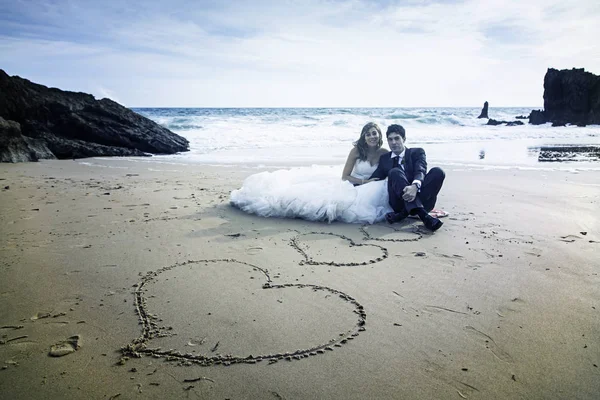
(317, 53)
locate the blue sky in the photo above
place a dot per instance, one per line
(309, 53)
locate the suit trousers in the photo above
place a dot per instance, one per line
(426, 198)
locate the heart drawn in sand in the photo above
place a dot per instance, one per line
(313, 244)
(232, 320)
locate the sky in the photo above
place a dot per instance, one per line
(300, 53)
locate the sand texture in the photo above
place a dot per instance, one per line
(122, 279)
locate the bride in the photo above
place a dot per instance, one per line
(317, 193)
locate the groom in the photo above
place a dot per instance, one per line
(412, 190)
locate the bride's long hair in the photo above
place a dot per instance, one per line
(361, 143)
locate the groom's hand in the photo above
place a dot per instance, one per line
(410, 193)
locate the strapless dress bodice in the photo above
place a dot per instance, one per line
(363, 169)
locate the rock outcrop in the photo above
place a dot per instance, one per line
(15, 147)
(570, 97)
(537, 117)
(40, 122)
(508, 123)
(484, 111)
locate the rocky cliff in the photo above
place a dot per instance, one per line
(570, 97)
(40, 122)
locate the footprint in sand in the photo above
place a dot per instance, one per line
(65, 347)
(514, 306)
(253, 250)
(489, 343)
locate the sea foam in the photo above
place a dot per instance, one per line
(293, 136)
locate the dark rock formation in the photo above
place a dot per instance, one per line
(15, 147)
(569, 153)
(508, 123)
(537, 117)
(484, 111)
(521, 117)
(570, 97)
(60, 124)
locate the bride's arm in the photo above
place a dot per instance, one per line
(352, 157)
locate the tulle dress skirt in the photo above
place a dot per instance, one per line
(313, 193)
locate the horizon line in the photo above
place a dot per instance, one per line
(335, 107)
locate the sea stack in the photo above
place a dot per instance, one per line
(570, 97)
(484, 111)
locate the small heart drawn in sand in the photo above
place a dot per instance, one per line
(326, 248)
(387, 233)
(215, 298)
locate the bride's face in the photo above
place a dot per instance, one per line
(372, 138)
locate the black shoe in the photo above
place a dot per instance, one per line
(395, 217)
(431, 223)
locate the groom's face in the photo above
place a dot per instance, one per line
(395, 142)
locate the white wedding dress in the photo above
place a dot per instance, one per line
(314, 193)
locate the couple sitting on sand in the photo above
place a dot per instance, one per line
(362, 196)
(411, 189)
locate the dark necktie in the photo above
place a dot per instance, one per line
(395, 162)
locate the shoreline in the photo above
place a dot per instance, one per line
(257, 166)
(502, 302)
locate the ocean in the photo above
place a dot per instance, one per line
(284, 137)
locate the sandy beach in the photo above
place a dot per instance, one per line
(176, 294)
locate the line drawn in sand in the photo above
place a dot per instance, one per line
(490, 344)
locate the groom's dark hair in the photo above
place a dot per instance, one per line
(395, 128)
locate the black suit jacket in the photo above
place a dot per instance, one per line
(415, 165)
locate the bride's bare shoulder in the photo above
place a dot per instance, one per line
(353, 152)
(382, 151)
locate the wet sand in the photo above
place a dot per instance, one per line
(175, 294)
